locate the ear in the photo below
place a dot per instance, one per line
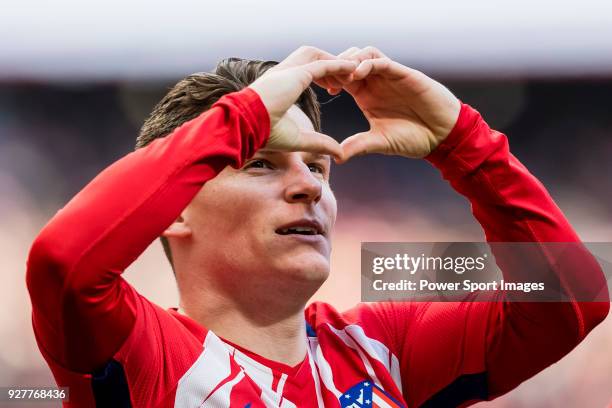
(178, 229)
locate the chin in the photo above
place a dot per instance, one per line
(308, 269)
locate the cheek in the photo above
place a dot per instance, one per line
(329, 204)
(227, 208)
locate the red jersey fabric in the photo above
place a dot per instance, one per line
(113, 347)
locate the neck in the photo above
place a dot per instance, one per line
(263, 325)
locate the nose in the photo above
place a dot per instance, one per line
(302, 185)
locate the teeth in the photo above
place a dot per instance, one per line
(291, 230)
(301, 229)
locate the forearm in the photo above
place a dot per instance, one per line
(513, 206)
(508, 201)
(81, 252)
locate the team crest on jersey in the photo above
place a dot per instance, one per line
(368, 394)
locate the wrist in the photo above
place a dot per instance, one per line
(450, 152)
(254, 111)
(451, 115)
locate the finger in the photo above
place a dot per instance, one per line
(323, 83)
(362, 143)
(322, 72)
(328, 82)
(380, 66)
(331, 82)
(321, 69)
(287, 136)
(365, 54)
(344, 79)
(363, 70)
(304, 55)
(337, 83)
(315, 142)
(348, 52)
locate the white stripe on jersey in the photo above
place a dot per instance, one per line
(284, 403)
(222, 396)
(211, 367)
(379, 402)
(263, 377)
(378, 351)
(350, 342)
(262, 374)
(326, 372)
(314, 343)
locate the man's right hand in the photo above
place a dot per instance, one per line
(282, 85)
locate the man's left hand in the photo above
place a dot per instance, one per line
(409, 113)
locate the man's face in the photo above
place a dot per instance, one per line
(270, 219)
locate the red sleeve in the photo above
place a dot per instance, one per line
(456, 353)
(82, 308)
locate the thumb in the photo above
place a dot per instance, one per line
(287, 136)
(315, 142)
(361, 144)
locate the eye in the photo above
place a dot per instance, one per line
(258, 164)
(316, 168)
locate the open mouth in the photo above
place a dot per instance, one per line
(301, 227)
(297, 230)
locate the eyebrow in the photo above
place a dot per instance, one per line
(319, 156)
(311, 155)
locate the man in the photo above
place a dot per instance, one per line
(240, 194)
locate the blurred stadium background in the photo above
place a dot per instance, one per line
(77, 80)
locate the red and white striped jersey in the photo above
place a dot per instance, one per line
(185, 365)
(115, 348)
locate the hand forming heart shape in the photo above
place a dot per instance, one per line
(409, 113)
